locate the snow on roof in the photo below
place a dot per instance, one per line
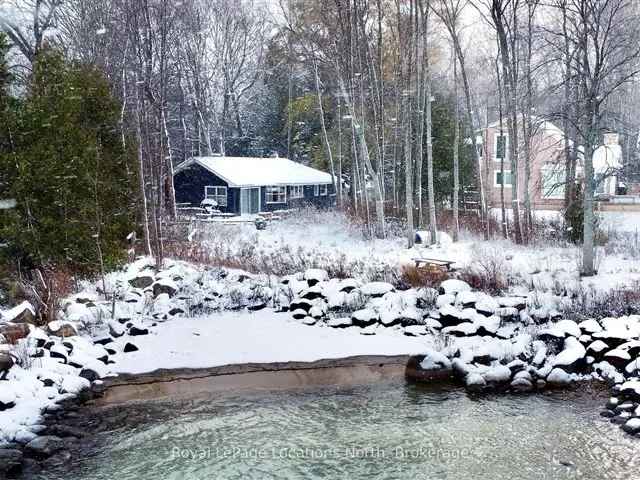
(253, 171)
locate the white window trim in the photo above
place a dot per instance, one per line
(495, 178)
(495, 146)
(297, 192)
(316, 190)
(216, 196)
(324, 190)
(283, 189)
(558, 192)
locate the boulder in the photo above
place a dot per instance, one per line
(130, 347)
(348, 285)
(364, 317)
(376, 289)
(313, 276)
(312, 293)
(142, 281)
(415, 330)
(165, 286)
(309, 321)
(632, 426)
(23, 313)
(6, 362)
(62, 329)
(454, 286)
(618, 358)
(475, 382)
(43, 447)
(498, 374)
(558, 377)
(340, 322)
(12, 332)
(137, 331)
(10, 462)
(572, 357)
(89, 374)
(299, 314)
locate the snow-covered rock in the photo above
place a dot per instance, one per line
(376, 289)
(454, 286)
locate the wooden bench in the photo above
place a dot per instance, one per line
(434, 262)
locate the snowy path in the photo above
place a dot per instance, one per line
(265, 336)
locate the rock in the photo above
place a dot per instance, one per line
(454, 286)
(115, 329)
(433, 360)
(597, 349)
(301, 304)
(415, 330)
(309, 321)
(23, 313)
(572, 358)
(376, 289)
(62, 329)
(299, 314)
(64, 431)
(10, 462)
(559, 377)
(632, 426)
(450, 316)
(348, 285)
(612, 403)
(142, 281)
(136, 331)
(618, 358)
(43, 447)
(312, 293)
(89, 374)
(130, 347)
(370, 330)
(313, 276)
(316, 312)
(498, 374)
(13, 332)
(364, 317)
(569, 327)
(475, 382)
(165, 286)
(6, 362)
(466, 298)
(590, 326)
(446, 299)
(254, 307)
(522, 384)
(340, 322)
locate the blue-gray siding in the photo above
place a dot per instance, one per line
(190, 183)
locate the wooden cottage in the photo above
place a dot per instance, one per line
(248, 185)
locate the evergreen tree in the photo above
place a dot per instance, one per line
(68, 170)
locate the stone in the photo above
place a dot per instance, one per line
(43, 447)
(23, 313)
(10, 462)
(364, 317)
(89, 374)
(454, 286)
(13, 332)
(136, 331)
(340, 322)
(376, 289)
(62, 329)
(632, 426)
(309, 321)
(130, 347)
(558, 376)
(6, 362)
(142, 281)
(165, 286)
(254, 307)
(475, 382)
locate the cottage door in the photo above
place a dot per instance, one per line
(249, 201)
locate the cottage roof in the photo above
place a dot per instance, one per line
(254, 171)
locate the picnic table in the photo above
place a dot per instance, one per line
(434, 262)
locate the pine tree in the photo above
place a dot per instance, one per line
(68, 169)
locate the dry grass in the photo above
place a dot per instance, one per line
(422, 277)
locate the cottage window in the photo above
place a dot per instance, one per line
(553, 180)
(218, 194)
(316, 190)
(276, 195)
(500, 150)
(296, 191)
(498, 178)
(324, 190)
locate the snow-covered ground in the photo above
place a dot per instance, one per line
(261, 337)
(329, 240)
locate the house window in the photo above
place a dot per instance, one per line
(498, 180)
(218, 194)
(553, 182)
(501, 144)
(324, 190)
(296, 191)
(316, 190)
(276, 195)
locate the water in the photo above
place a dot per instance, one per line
(388, 431)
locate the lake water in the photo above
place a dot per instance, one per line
(386, 431)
